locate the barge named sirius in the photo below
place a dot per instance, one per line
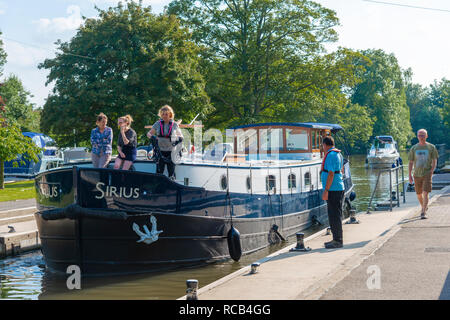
(263, 189)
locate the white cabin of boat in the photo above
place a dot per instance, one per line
(280, 141)
(283, 158)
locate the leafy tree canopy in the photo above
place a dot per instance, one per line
(14, 143)
(3, 55)
(128, 61)
(429, 108)
(382, 91)
(440, 97)
(18, 108)
(254, 51)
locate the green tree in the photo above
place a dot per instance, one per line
(382, 91)
(440, 97)
(3, 55)
(255, 52)
(12, 144)
(128, 61)
(426, 107)
(18, 107)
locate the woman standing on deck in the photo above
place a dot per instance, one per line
(101, 140)
(169, 135)
(126, 144)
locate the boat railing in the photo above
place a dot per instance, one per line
(395, 169)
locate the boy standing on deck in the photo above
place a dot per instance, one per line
(423, 158)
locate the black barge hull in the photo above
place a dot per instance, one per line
(83, 223)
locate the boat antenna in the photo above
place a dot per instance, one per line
(194, 118)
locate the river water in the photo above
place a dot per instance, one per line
(25, 277)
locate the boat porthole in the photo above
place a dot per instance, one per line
(271, 184)
(249, 184)
(292, 181)
(307, 179)
(223, 182)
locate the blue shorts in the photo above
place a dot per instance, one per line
(130, 154)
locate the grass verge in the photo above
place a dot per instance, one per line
(18, 191)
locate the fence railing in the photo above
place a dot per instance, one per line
(395, 170)
(442, 155)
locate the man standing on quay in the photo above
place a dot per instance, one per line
(333, 190)
(423, 158)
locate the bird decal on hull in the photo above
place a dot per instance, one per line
(147, 236)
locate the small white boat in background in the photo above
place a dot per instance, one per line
(76, 154)
(383, 152)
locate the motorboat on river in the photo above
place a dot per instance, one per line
(261, 188)
(383, 152)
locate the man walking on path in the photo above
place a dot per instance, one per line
(333, 190)
(423, 158)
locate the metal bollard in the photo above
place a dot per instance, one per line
(352, 217)
(300, 245)
(394, 196)
(328, 232)
(255, 266)
(191, 291)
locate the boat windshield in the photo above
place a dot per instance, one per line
(382, 145)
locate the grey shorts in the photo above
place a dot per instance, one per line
(100, 161)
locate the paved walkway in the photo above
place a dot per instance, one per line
(296, 275)
(25, 226)
(18, 204)
(413, 264)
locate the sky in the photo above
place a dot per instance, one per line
(419, 38)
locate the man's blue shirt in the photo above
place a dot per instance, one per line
(334, 162)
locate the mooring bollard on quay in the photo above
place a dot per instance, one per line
(352, 219)
(192, 288)
(254, 267)
(300, 243)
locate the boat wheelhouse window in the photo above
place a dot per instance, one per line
(52, 165)
(271, 184)
(249, 184)
(296, 139)
(223, 182)
(314, 140)
(247, 141)
(307, 179)
(292, 183)
(271, 139)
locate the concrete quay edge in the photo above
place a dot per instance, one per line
(15, 243)
(17, 212)
(341, 270)
(246, 269)
(317, 291)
